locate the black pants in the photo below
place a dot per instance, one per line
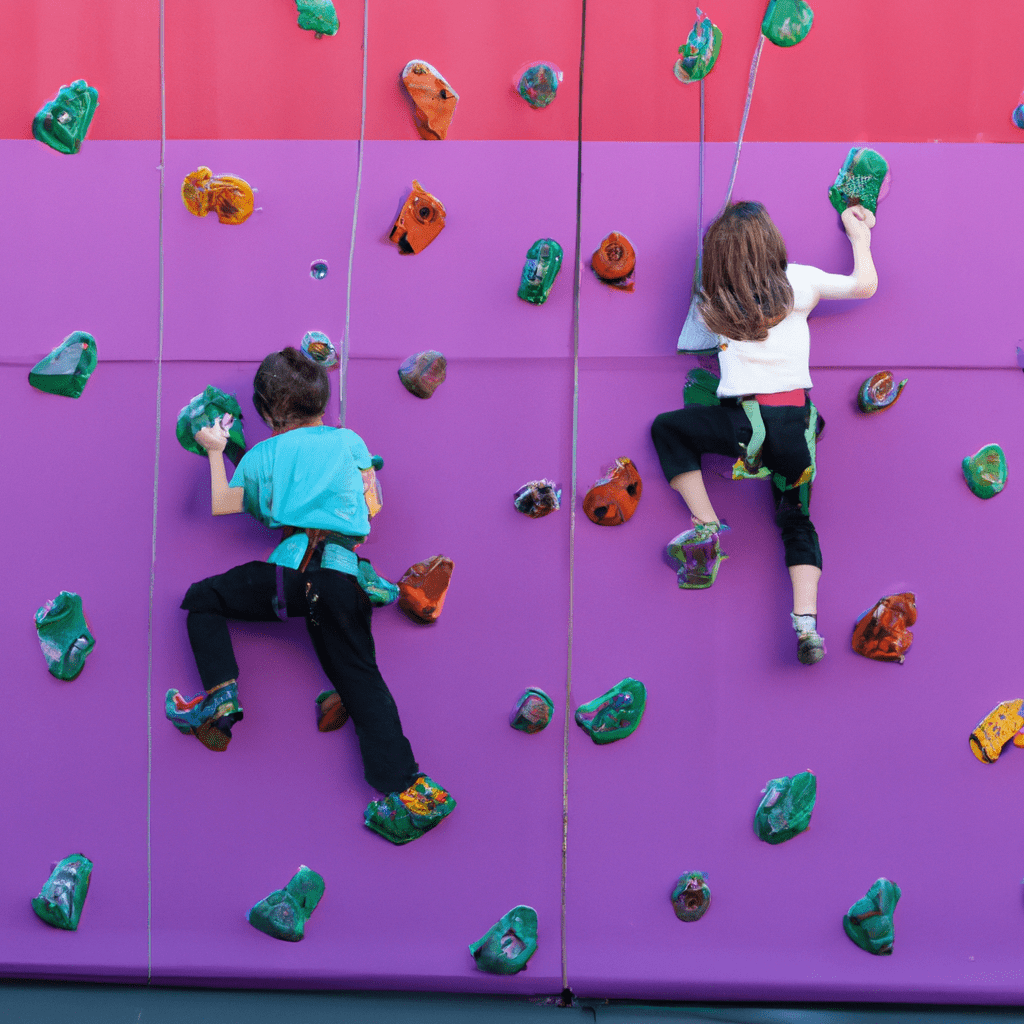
(337, 614)
(681, 437)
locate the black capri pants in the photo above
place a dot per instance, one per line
(337, 613)
(682, 436)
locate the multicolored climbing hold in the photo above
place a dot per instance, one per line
(879, 391)
(615, 714)
(63, 895)
(985, 471)
(996, 729)
(423, 588)
(696, 555)
(691, 897)
(203, 411)
(538, 83)
(507, 946)
(614, 498)
(209, 716)
(63, 122)
(698, 54)
(434, 100)
(869, 921)
(227, 195)
(787, 22)
(422, 373)
(1017, 116)
(318, 347)
(318, 269)
(785, 810)
(64, 635)
(419, 221)
(67, 369)
(331, 714)
(319, 17)
(614, 262)
(284, 913)
(532, 711)
(543, 261)
(402, 817)
(883, 632)
(863, 180)
(538, 498)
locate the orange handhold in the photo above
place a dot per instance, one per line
(419, 222)
(434, 99)
(615, 261)
(996, 729)
(614, 498)
(883, 633)
(229, 197)
(424, 587)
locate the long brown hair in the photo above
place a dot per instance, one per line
(289, 388)
(744, 288)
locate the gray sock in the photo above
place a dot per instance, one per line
(804, 623)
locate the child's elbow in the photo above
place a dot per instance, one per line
(866, 288)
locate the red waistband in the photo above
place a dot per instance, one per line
(797, 397)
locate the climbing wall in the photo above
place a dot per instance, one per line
(101, 499)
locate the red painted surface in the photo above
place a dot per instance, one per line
(873, 69)
(112, 44)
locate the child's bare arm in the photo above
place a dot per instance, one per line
(224, 499)
(863, 282)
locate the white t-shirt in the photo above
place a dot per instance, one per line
(780, 362)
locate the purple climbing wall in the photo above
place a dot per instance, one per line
(184, 841)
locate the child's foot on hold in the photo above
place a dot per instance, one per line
(208, 716)
(331, 714)
(403, 817)
(810, 646)
(697, 554)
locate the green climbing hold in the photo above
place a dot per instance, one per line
(787, 22)
(64, 635)
(508, 945)
(284, 913)
(402, 817)
(985, 471)
(701, 388)
(698, 54)
(691, 897)
(318, 16)
(201, 412)
(63, 122)
(63, 896)
(543, 261)
(66, 370)
(786, 808)
(862, 180)
(615, 714)
(869, 921)
(532, 711)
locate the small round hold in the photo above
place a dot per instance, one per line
(318, 347)
(691, 897)
(532, 711)
(879, 391)
(614, 262)
(318, 269)
(537, 83)
(1018, 116)
(538, 498)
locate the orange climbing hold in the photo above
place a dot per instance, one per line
(883, 632)
(229, 197)
(1000, 725)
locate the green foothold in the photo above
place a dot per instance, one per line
(508, 945)
(63, 122)
(787, 22)
(869, 921)
(985, 471)
(691, 897)
(543, 261)
(67, 368)
(698, 54)
(701, 388)
(861, 181)
(615, 714)
(786, 808)
(284, 913)
(201, 412)
(64, 635)
(318, 16)
(402, 817)
(62, 897)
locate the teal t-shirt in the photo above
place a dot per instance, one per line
(307, 477)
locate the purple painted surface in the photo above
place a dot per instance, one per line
(77, 515)
(80, 248)
(729, 707)
(944, 246)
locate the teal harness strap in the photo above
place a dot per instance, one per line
(752, 456)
